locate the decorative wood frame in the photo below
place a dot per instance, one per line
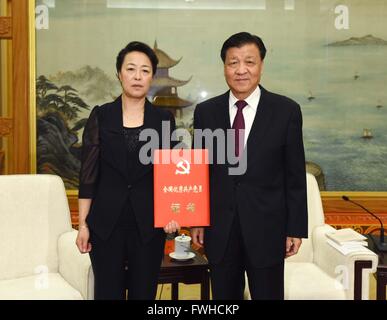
(5, 27)
(6, 125)
(20, 127)
(340, 213)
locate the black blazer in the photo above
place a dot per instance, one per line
(270, 197)
(104, 176)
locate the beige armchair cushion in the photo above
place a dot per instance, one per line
(49, 286)
(37, 241)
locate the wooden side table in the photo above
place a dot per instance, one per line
(381, 271)
(191, 271)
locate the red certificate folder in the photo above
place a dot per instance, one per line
(181, 187)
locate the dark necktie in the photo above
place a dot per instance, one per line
(239, 124)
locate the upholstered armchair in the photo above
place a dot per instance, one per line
(38, 255)
(319, 271)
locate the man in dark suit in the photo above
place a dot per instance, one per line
(258, 217)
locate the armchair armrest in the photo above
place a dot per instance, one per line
(342, 267)
(74, 266)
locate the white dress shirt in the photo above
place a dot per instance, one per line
(248, 112)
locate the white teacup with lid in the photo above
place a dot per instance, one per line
(182, 246)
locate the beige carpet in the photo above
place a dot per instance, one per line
(192, 292)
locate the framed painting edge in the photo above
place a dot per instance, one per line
(32, 86)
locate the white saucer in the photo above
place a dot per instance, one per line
(189, 255)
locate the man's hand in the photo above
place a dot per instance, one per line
(292, 246)
(197, 235)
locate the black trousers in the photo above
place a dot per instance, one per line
(124, 249)
(228, 277)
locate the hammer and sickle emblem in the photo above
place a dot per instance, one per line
(184, 166)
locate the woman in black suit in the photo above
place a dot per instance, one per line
(116, 187)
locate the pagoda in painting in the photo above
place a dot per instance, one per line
(163, 92)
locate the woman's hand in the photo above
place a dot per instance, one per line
(172, 227)
(82, 241)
